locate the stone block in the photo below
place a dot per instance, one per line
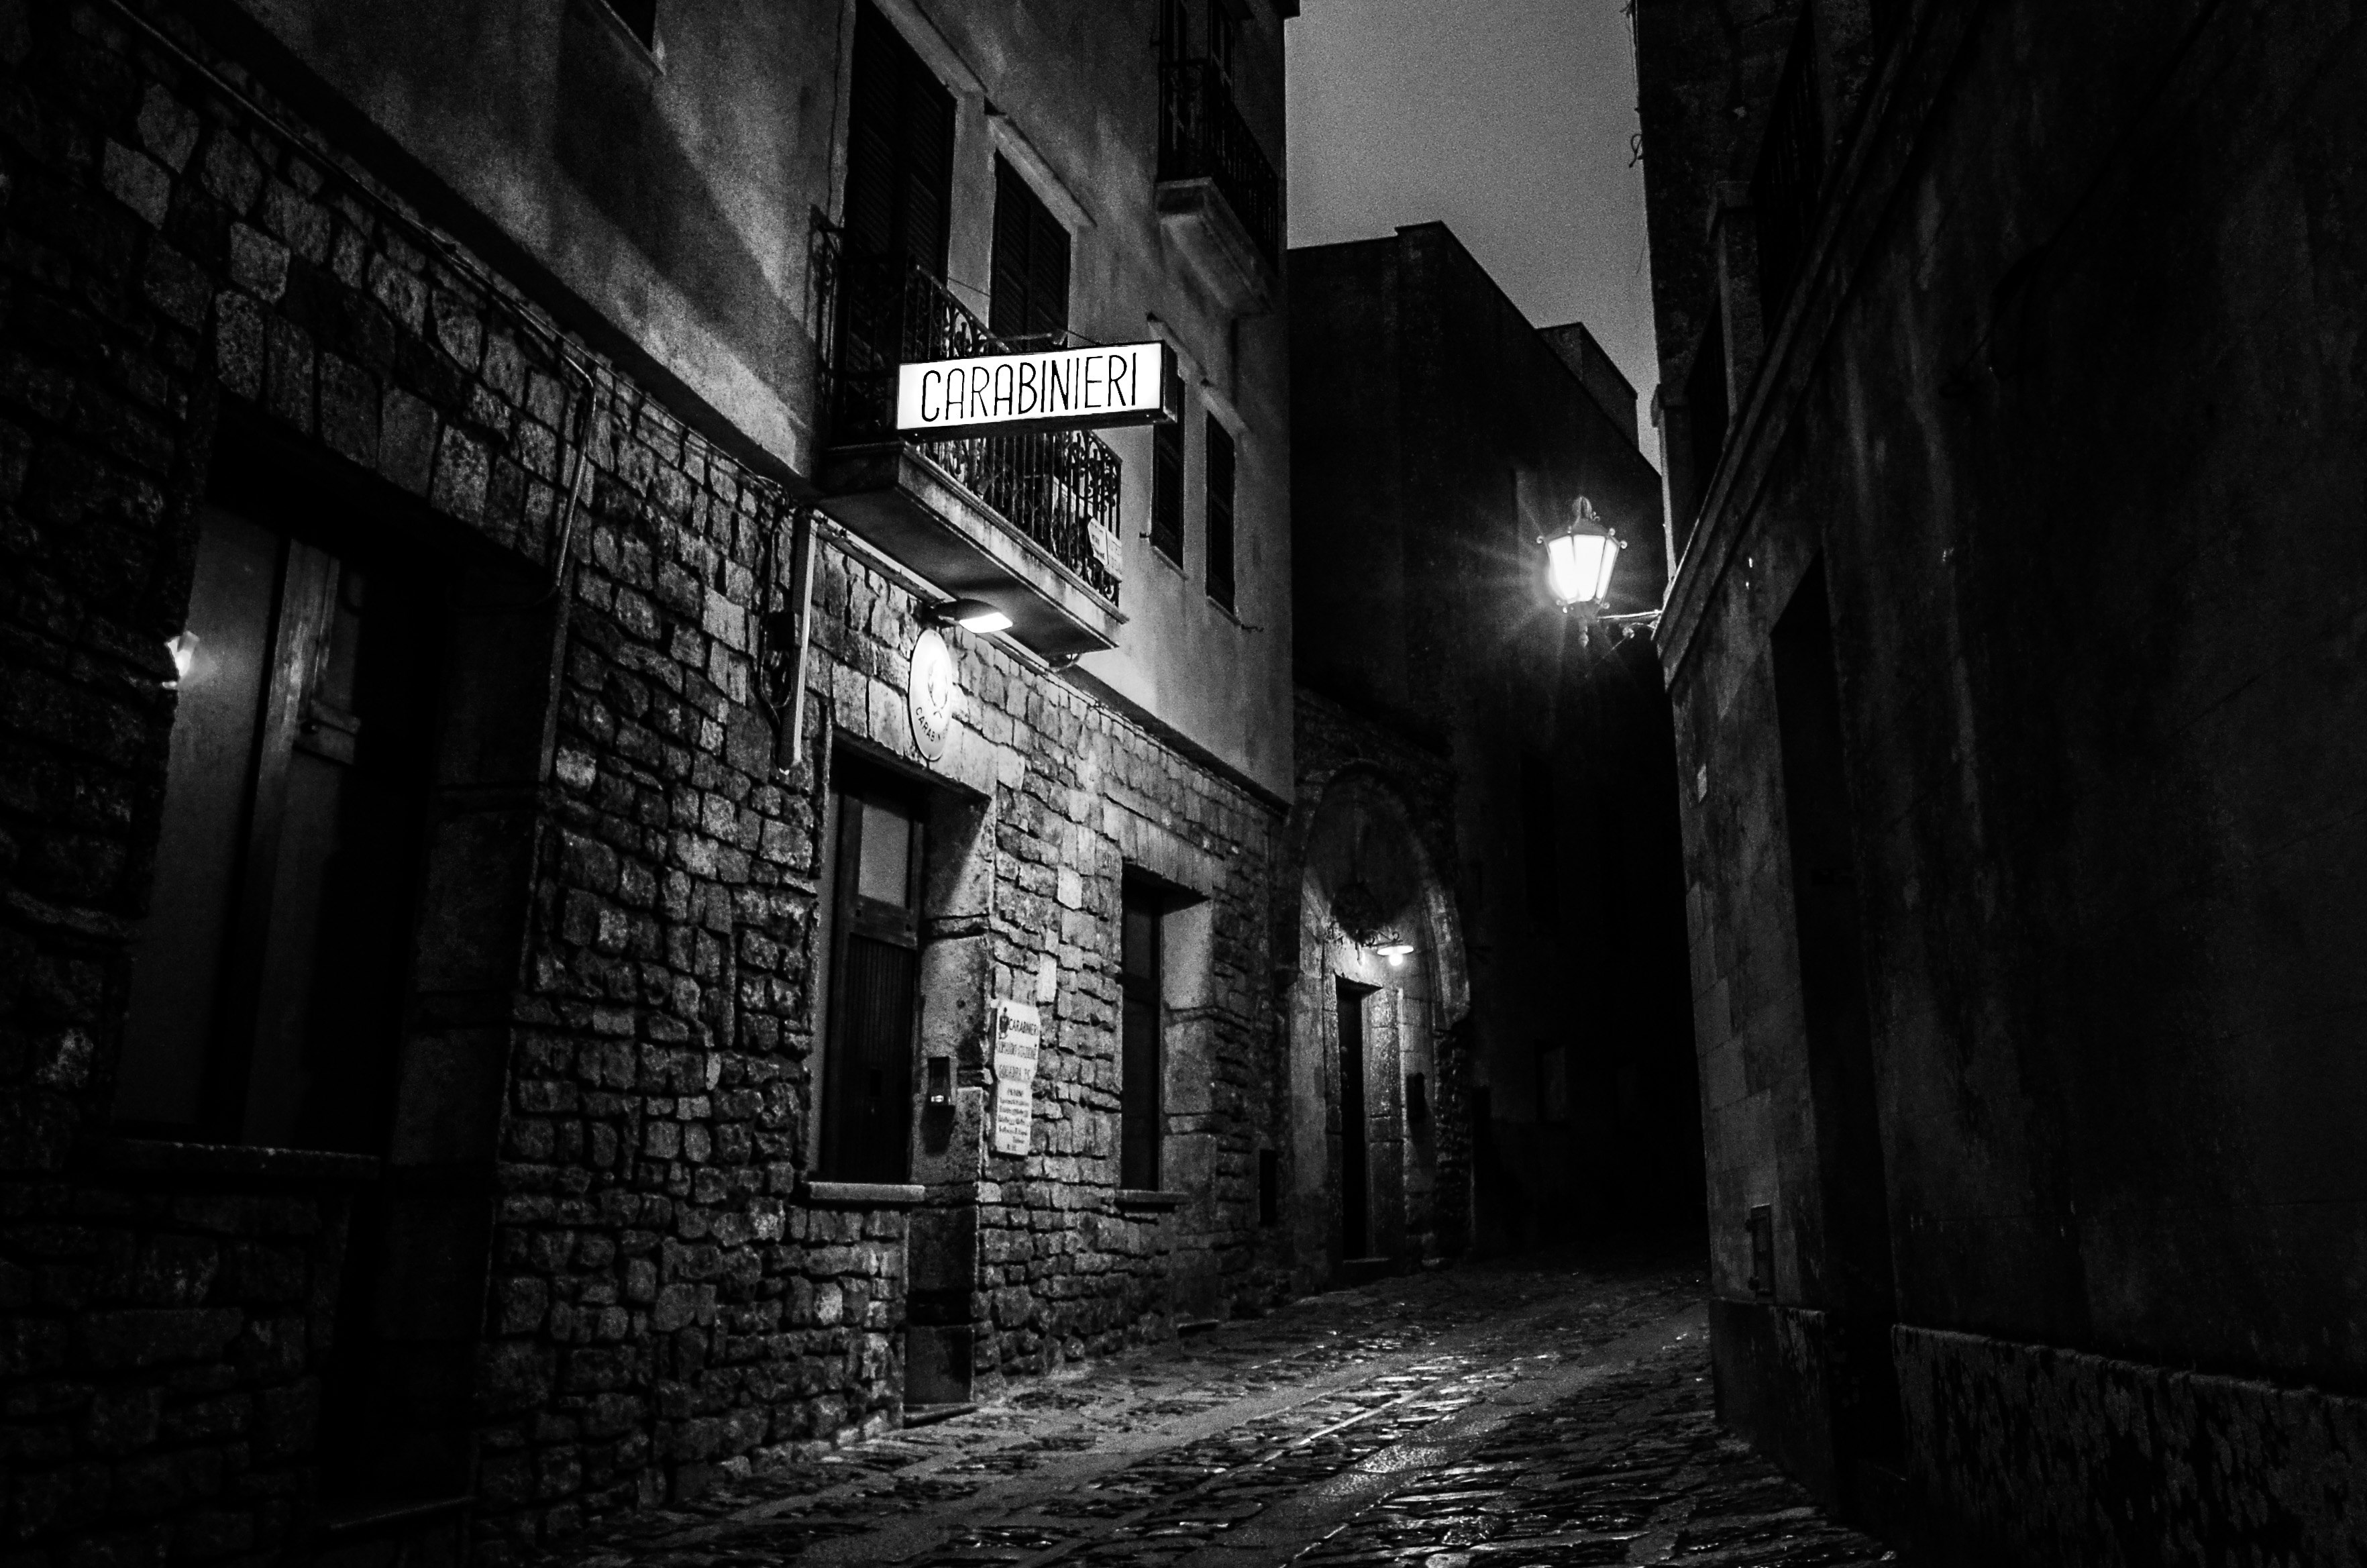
(160, 1337)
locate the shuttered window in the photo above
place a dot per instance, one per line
(1031, 262)
(1167, 490)
(1220, 514)
(900, 149)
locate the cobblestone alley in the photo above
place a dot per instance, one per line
(1536, 1412)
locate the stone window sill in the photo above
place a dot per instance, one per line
(861, 1194)
(146, 1156)
(1143, 1200)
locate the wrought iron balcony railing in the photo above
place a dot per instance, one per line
(1202, 135)
(875, 313)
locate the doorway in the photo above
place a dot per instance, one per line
(1851, 1274)
(867, 1089)
(1356, 1126)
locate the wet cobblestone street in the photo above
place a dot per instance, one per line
(1527, 1412)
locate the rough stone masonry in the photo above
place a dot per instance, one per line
(601, 1127)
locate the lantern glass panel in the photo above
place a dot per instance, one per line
(1574, 566)
(1610, 559)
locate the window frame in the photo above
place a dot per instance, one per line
(348, 679)
(854, 916)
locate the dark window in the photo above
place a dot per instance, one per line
(1221, 513)
(265, 981)
(1705, 406)
(1354, 1238)
(641, 18)
(1167, 490)
(900, 149)
(867, 1072)
(1031, 262)
(1539, 841)
(1791, 172)
(1224, 31)
(1175, 30)
(1142, 1060)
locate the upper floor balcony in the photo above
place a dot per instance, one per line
(1027, 522)
(1218, 197)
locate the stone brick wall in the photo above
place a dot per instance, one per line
(1074, 792)
(160, 1328)
(663, 1306)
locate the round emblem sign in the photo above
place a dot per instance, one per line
(933, 694)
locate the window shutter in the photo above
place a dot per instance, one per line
(1008, 313)
(1220, 514)
(1047, 282)
(1031, 261)
(1167, 490)
(899, 150)
(928, 166)
(870, 212)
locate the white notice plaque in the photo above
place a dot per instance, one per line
(1018, 1038)
(1061, 389)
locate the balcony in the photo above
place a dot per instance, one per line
(1027, 522)
(1219, 198)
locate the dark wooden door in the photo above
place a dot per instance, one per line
(1141, 1066)
(867, 1078)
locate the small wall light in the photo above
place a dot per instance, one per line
(1580, 559)
(184, 650)
(971, 615)
(1393, 947)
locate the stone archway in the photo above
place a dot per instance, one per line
(1377, 1026)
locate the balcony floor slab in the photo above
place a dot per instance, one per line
(892, 496)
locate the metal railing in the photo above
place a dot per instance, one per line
(1791, 172)
(1202, 135)
(875, 313)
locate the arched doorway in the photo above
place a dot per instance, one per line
(1379, 1144)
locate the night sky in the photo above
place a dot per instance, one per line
(1511, 121)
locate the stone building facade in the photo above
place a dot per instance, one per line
(2014, 412)
(1512, 767)
(459, 721)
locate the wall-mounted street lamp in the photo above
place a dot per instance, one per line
(1579, 561)
(971, 615)
(1580, 558)
(1393, 947)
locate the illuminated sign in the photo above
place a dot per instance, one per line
(1061, 389)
